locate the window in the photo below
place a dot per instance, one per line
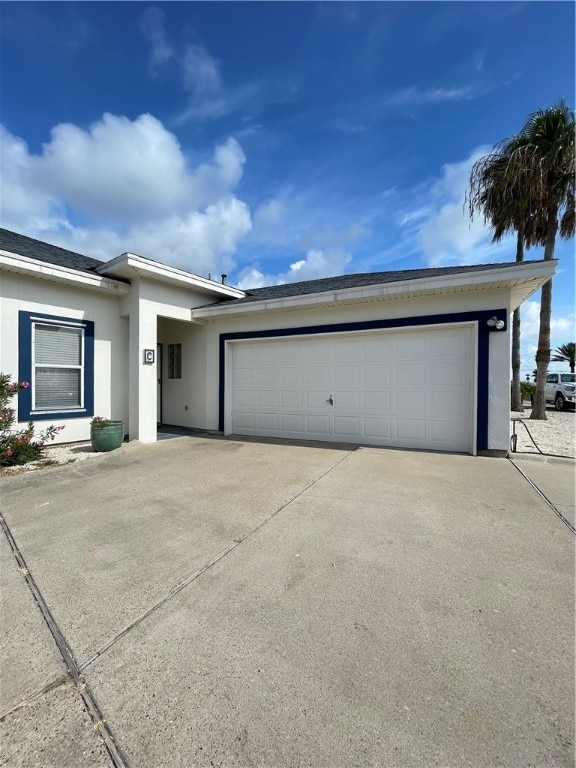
(174, 361)
(57, 358)
(552, 378)
(58, 362)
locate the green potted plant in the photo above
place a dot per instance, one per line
(106, 434)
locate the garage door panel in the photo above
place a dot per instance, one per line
(316, 351)
(411, 429)
(447, 373)
(346, 376)
(267, 421)
(318, 425)
(445, 431)
(290, 353)
(346, 400)
(292, 422)
(380, 429)
(244, 421)
(265, 377)
(244, 377)
(317, 400)
(447, 345)
(375, 349)
(291, 399)
(245, 398)
(318, 377)
(291, 377)
(411, 402)
(449, 403)
(347, 426)
(265, 355)
(376, 376)
(410, 373)
(267, 398)
(408, 388)
(409, 346)
(244, 356)
(346, 352)
(377, 402)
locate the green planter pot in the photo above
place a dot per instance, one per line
(107, 437)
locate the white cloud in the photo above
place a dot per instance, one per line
(316, 264)
(200, 71)
(530, 324)
(562, 329)
(152, 26)
(270, 222)
(208, 95)
(414, 96)
(126, 185)
(440, 224)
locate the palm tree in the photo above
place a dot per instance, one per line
(565, 354)
(500, 196)
(544, 159)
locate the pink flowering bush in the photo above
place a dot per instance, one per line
(19, 446)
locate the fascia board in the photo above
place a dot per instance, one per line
(533, 273)
(13, 262)
(132, 264)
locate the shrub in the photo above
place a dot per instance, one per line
(527, 388)
(19, 446)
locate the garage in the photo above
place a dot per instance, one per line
(409, 388)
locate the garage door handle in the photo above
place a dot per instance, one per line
(330, 400)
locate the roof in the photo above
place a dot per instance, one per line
(51, 254)
(356, 281)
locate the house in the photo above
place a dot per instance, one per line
(411, 358)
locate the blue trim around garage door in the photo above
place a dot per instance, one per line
(25, 412)
(404, 322)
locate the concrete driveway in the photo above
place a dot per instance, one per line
(245, 603)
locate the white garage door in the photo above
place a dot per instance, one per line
(409, 389)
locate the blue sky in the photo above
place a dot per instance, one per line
(274, 141)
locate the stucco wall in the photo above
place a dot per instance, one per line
(499, 388)
(163, 313)
(155, 312)
(181, 403)
(110, 341)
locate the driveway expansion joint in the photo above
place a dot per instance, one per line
(182, 584)
(82, 688)
(545, 498)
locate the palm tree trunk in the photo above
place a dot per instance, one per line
(516, 404)
(543, 353)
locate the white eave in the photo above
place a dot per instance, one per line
(130, 266)
(13, 262)
(522, 280)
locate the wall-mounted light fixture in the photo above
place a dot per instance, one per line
(495, 323)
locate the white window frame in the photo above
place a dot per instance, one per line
(37, 321)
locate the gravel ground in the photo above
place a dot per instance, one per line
(556, 436)
(56, 455)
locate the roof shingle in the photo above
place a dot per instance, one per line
(356, 281)
(51, 254)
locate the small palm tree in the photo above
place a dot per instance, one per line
(565, 354)
(500, 195)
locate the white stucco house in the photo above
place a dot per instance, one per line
(410, 359)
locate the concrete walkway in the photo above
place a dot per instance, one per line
(243, 603)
